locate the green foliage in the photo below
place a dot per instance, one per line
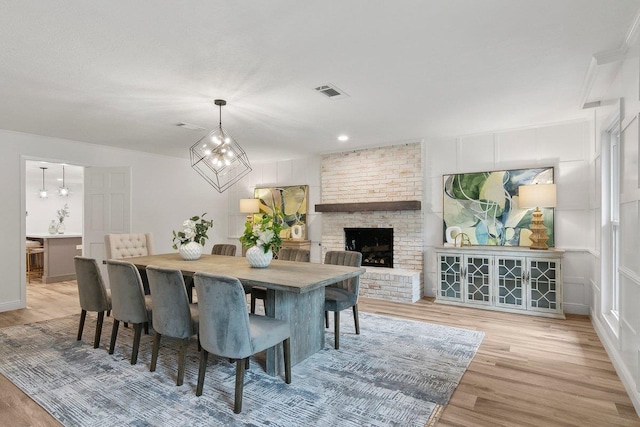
(265, 233)
(194, 230)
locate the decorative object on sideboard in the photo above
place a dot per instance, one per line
(218, 158)
(43, 193)
(450, 235)
(461, 239)
(537, 196)
(291, 202)
(53, 227)
(250, 207)
(190, 240)
(485, 205)
(64, 190)
(296, 231)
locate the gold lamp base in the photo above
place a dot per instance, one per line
(538, 232)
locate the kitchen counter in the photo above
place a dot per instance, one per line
(59, 250)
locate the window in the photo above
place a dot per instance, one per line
(614, 222)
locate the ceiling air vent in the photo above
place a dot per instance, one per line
(189, 126)
(331, 92)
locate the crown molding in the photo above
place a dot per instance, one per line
(608, 57)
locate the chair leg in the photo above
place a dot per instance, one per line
(286, 347)
(237, 407)
(99, 322)
(201, 371)
(137, 331)
(253, 303)
(356, 320)
(114, 335)
(326, 319)
(146, 328)
(108, 313)
(83, 316)
(182, 356)
(336, 328)
(154, 351)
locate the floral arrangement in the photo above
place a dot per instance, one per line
(63, 213)
(264, 233)
(194, 230)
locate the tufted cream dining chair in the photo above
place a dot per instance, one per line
(118, 246)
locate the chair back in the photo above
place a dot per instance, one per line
(224, 321)
(127, 292)
(118, 246)
(347, 258)
(171, 315)
(224, 249)
(91, 288)
(291, 254)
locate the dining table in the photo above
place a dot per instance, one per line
(295, 292)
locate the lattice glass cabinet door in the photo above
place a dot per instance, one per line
(450, 283)
(543, 276)
(510, 274)
(477, 276)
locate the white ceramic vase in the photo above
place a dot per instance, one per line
(257, 258)
(190, 251)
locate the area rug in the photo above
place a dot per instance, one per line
(395, 373)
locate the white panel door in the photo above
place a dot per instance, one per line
(107, 207)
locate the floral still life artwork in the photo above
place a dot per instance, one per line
(290, 201)
(485, 206)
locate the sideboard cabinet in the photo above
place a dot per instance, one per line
(514, 279)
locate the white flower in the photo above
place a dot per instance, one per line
(189, 224)
(265, 237)
(189, 233)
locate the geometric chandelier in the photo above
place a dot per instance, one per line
(219, 158)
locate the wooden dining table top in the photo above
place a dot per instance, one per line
(290, 276)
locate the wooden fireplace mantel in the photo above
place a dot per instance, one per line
(400, 205)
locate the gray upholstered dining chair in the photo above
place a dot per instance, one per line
(92, 293)
(129, 303)
(227, 330)
(342, 295)
(172, 314)
(285, 254)
(224, 249)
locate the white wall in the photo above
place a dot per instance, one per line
(165, 191)
(40, 212)
(563, 146)
(621, 337)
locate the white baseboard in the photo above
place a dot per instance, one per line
(623, 372)
(12, 305)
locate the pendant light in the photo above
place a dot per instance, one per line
(218, 158)
(43, 191)
(64, 190)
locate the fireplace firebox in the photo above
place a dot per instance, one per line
(375, 244)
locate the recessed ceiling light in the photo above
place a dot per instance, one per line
(343, 138)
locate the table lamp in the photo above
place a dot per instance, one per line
(537, 196)
(250, 207)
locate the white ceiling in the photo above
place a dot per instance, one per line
(124, 73)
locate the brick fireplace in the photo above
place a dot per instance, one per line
(387, 178)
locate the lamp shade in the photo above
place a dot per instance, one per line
(249, 206)
(537, 196)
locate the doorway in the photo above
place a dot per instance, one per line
(54, 205)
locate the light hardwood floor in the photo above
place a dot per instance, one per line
(529, 371)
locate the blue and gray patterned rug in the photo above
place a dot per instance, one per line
(396, 373)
